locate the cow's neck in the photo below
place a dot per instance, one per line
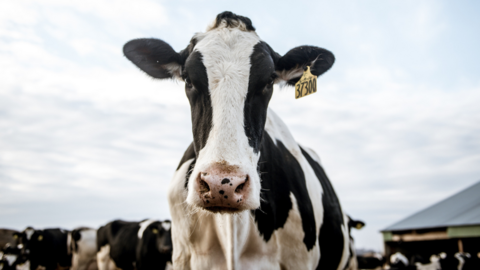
(222, 235)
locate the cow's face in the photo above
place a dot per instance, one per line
(229, 75)
(163, 233)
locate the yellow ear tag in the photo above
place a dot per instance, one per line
(359, 226)
(155, 231)
(40, 237)
(306, 85)
(15, 236)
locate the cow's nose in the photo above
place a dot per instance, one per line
(222, 191)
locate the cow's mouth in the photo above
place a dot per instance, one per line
(222, 210)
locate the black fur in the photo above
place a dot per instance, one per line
(151, 55)
(281, 175)
(76, 236)
(260, 89)
(126, 249)
(196, 88)
(154, 250)
(331, 236)
(232, 20)
(48, 248)
(319, 60)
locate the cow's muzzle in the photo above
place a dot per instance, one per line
(222, 190)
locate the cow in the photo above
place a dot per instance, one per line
(245, 195)
(48, 248)
(353, 262)
(9, 257)
(400, 261)
(7, 236)
(128, 245)
(84, 248)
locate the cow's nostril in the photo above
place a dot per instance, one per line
(204, 188)
(241, 186)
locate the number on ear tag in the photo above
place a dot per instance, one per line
(306, 85)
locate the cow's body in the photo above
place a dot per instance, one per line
(7, 237)
(48, 248)
(245, 195)
(134, 245)
(300, 224)
(84, 248)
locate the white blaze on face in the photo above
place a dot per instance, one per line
(166, 225)
(143, 227)
(226, 55)
(29, 233)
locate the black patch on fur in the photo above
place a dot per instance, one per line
(232, 20)
(331, 236)
(76, 236)
(259, 93)
(152, 55)
(189, 154)
(225, 181)
(154, 250)
(285, 176)
(199, 97)
(303, 56)
(48, 248)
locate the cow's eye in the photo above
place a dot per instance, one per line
(188, 83)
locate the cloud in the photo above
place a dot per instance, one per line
(85, 137)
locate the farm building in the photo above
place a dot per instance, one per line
(450, 226)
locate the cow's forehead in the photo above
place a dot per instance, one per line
(226, 53)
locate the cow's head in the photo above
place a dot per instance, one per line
(157, 235)
(229, 73)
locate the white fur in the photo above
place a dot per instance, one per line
(399, 257)
(203, 240)
(86, 250)
(143, 227)
(69, 243)
(104, 262)
(166, 225)
(10, 258)
(29, 233)
(226, 56)
(346, 244)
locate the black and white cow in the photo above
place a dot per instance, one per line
(399, 261)
(134, 245)
(7, 236)
(9, 257)
(245, 194)
(353, 262)
(48, 248)
(84, 248)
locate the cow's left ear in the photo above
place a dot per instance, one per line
(289, 67)
(156, 57)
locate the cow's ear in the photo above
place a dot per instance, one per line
(76, 235)
(290, 67)
(156, 57)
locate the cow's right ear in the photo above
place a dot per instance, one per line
(156, 57)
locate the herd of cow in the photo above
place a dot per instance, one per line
(245, 195)
(119, 244)
(147, 245)
(399, 261)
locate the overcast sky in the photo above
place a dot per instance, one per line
(85, 137)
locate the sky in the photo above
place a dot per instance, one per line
(85, 137)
